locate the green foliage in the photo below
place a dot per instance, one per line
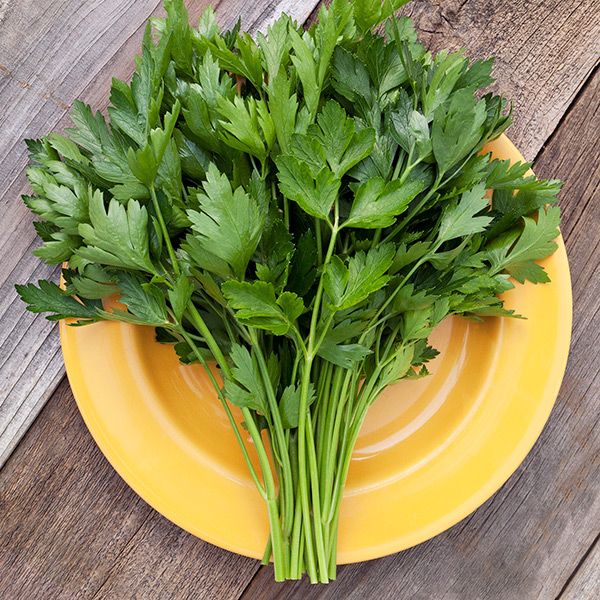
(244, 387)
(229, 223)
(256, 305)
(303, 209)
(47, 297)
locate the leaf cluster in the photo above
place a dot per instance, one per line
(239, 175)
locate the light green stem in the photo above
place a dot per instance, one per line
(286, 478)
(279, 559)
(228, 412)
(163, 229)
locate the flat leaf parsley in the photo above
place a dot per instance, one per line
(303, 209)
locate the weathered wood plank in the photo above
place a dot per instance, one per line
(545, 50)
(71, 527)
(52, 53)
(586, 581)
(528, 539)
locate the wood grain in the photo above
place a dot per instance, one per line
(528, 539)
(51, 53)
(71, 527)
(586, 581)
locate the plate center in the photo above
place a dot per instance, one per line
(408, 425)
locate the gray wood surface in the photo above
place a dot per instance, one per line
(69, 527)
(51, 53)
(586, 581)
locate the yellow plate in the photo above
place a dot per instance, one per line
(430, 451)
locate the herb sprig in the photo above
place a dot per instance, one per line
(303, 209)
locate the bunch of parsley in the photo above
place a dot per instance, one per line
(303, 209)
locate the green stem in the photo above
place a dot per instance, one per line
(297, 550)
(400, 163)
(205, 332)
(318, 296)
(228, 412)
(316, 503)
(332, 449)
(376, 238)
(323, 408)
(303, 436)
(324, 332)
(333, 548)
(286, 478)
(368, 393)
(302, 476)
(278, 545)
(286, 209)
(328, 446)
(279, 559)
(163, 228)
(268, 552)
(318, 240)
(342, 473)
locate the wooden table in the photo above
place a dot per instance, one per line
(69, 526)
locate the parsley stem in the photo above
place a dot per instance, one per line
(316, 501)
(318, 241)
(273, 510)
(333, 428)
(351, 435)
(286, 479)
(228, 412)
(322, 406)
(400, 164)
(324, 332)
(297, 542)
(164, 231)
(306, 447)
(279, 554)
(268, 552)
(302, 473)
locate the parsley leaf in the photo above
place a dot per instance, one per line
(244, 389)
(116, 237)
(534, 242)
(256, 305)
(229, 223)
(315, 194)
(377, 204)
(459, 217)
(47, 297)
(364, 274)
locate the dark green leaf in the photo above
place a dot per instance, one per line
(47, 297)
(117, 237)
(459, 218)
(256, 305)
(247, 390)
(377, 204)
